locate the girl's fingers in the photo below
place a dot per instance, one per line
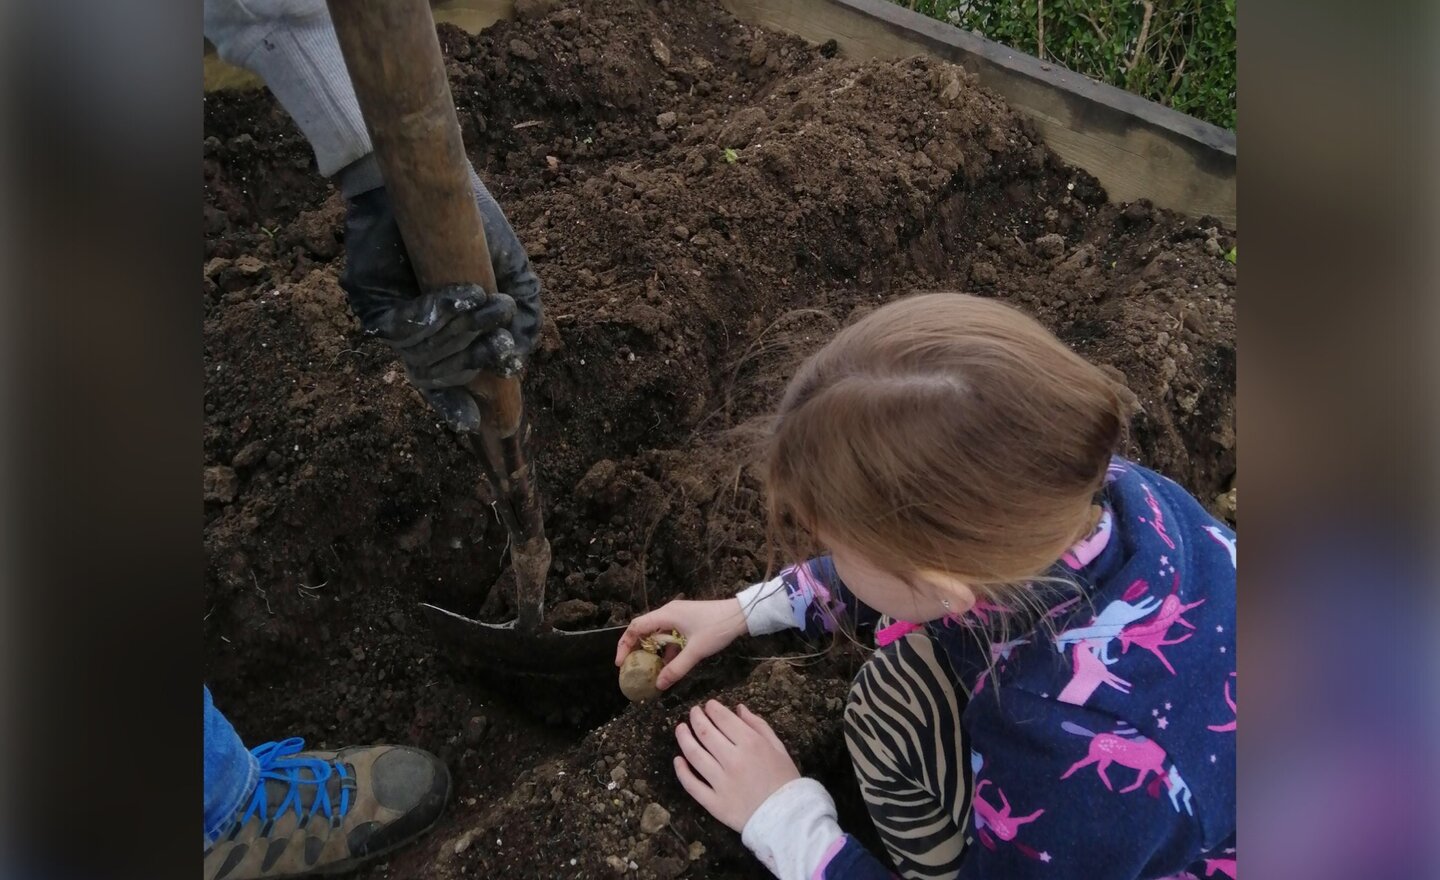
(676, 668)
(728, 722)
(710, 736)
(696, 754)
(697, 789)
(638, 629)
(763, 727)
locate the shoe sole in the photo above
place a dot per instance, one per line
(354, 864)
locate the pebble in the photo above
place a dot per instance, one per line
(1051, 245)
(654, 818)
(464, 842)
(250, 455)
(475, 729)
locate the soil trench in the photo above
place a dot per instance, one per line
(705, 204)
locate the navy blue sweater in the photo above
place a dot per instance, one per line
(1103, 744)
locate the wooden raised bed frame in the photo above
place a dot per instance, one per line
(1135, 148)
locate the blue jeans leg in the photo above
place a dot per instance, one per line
(231, 772)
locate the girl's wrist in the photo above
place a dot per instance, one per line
(766, 607)
(794, 832)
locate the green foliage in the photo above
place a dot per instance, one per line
(731, 156)
(1187, 60)
(1230, 255)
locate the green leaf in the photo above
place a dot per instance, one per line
(1231, 255)
(731, 156)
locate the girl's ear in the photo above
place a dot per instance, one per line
(945, 588)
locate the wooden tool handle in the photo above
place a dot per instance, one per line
(393, 55)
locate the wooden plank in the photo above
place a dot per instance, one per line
(472, 15)
(1134, 147)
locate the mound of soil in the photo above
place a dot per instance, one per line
(705, 203)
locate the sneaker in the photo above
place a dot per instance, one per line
(328, 812)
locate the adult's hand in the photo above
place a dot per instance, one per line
(446, 337)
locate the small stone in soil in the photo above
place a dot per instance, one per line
(697, 849)
(250, 454)
(1050, 246)
(464, 842)
(654, 818)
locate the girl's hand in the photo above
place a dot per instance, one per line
(708, 627)
(741, 759)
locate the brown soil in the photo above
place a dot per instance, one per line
(681, 284)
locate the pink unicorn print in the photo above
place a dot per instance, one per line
(1222, 866)
(1179, 791)
(1228, 543)
(1109, 623)
(999, 823)
(1062, 608)
(1088, 549)
(1090, 674)
(1229, 701)
(1157, 518)
(1151, 634)
(1127, 750)
(1003, 650)
(999, 654)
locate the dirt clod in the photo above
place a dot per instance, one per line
(221, 484)
(654, 818)
(475, 729)
(1050, 246)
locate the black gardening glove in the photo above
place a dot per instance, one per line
(444, 337)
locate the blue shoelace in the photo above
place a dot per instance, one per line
(277, 765)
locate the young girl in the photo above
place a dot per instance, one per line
(1053, 690)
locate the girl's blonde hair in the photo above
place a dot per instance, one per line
(945, 432)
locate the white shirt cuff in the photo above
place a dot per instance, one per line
(767, 607)
(794, 830)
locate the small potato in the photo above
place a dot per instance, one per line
(638, 674)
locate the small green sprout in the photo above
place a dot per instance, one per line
(731, 156)
(1230, 256)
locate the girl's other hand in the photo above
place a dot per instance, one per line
(739, 759)
(708, 627)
